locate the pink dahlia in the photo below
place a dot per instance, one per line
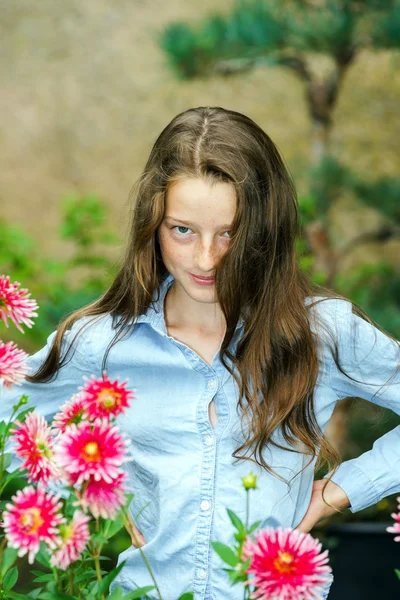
(101, 498)
(34, 516)
(395, 528)
(72, 412)
(35, 445)
(16, 304)
(13, 367)
(91, 449)
(105, 398)
(287, 565)
(75, 536)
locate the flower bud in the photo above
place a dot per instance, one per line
(250, 481)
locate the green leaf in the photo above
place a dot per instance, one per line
(187, 596)
(104, 585)
(15, 596)
(35, 593)
(139, 592)
(117, 594)
(43, 577)
(226, 553)
(254, 526)
(10, 578)
(56, 595)
(9, 558)
(42, 557)
(21, 416)
(397, 571)
(236, 522)
(115, 526)
(7, 460)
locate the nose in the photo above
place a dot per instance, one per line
(207, 256)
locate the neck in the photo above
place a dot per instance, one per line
(181, 312)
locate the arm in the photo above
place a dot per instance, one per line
(370, 357)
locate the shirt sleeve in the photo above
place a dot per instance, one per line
(47, 398)
(373, 359)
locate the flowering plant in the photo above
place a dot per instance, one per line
(395, 528)
(279, 564)
(81, 454)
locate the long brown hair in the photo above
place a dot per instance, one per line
(258, 278)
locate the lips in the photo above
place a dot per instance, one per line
(203, 278)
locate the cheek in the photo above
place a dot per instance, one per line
(170, 250)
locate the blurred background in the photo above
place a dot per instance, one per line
(88, 86)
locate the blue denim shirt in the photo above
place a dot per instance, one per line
(183, 471)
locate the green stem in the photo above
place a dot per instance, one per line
(95, 556)
(2, 546)
(2, 447)
(146, 562)
(71, 580)
(247, 509)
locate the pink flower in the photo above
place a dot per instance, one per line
(34, 516)
(286, 564)
(91, 449)
(13, 368)
(105, 398)
(395, 528)
(16, 304)
(75, 536)
(72, 412)
(35, 445)
(101, 498)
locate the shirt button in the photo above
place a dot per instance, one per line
(201, 573)
(211, 384)
(209, 440)
(205, 505)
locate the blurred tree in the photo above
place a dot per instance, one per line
(284, 33)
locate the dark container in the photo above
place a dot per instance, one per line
(363, 558)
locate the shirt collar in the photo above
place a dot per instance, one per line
(155, 312)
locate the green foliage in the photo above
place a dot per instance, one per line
(376, 289)
(268, 32)
(386, 33)
(251, 30)
(54, 283)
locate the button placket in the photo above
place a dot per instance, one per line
(211, 384)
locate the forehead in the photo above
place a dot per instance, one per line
(200, 200)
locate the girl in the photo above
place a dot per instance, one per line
(237, 358)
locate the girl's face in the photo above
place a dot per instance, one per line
(195, 233)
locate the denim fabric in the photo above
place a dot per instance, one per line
(183, 472)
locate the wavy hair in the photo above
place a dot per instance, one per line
(275, 364)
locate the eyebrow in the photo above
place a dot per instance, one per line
(227, 226)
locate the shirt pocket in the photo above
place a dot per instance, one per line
(145, 506)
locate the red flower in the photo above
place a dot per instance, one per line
(105, 398)
(91, 450)
(35, 445)
(72, 412)
(75, 536)
(101, 498)
(13, 367)
(16, 304)
(395, 528)
(286, 564)
(34, 516)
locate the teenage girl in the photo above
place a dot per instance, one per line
(237, 358)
